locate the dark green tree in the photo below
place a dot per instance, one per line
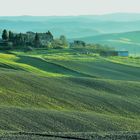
(37, 37)
(11, 36)
(5, 35)
(15, 40)
(18, 40)
(37, 40)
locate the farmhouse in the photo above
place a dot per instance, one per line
(123, 53)
(44, 37)
(115, 53)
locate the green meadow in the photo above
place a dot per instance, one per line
(66, 94)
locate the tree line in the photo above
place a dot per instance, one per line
(36, 40)
(30, 40)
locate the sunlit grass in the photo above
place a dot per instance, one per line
(132, 61)
(62, 90)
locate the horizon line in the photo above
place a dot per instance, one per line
(103, 14)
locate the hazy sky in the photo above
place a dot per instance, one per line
(67, 7)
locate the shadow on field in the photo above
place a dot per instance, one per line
(49, 66)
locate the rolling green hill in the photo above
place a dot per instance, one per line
(63, 91)
(73, 26)
(121, 41)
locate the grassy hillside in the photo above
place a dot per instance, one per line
(63, 91)
(121, 41)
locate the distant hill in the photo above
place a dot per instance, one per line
(122, 41)
(74, 26)
(105, 17)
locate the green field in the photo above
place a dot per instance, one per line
(50, 91)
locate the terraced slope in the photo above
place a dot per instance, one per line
(41, 94)
(103, 69)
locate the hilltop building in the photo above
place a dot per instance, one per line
(44, 37)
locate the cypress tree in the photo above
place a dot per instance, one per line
(5, 35)
(37, 40)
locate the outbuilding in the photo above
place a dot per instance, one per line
(115, 53)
